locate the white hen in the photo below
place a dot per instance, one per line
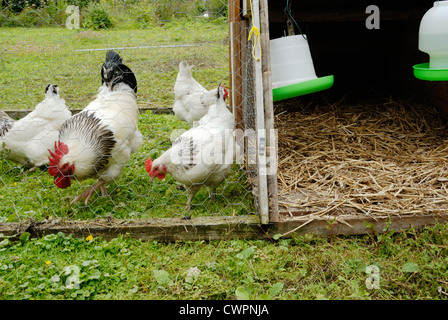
(27, 140)
(98, 141)
(202, 155)
(191, 99)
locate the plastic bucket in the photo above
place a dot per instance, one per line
(291, 61)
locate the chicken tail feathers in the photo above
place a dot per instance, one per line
(52, 89)
(184, 69)
(6, 123)
(114, 71)
(112, 58)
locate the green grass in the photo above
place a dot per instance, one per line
(31, 58)
(95, 14)
(412, 266)
(33, 195)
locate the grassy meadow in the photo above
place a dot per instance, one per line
(33, 57)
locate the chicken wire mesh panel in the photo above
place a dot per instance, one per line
(54, 74)
(249, 122)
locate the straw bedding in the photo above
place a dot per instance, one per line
(388, 158)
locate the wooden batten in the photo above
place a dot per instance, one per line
(18, 114)
(221, 228)
(353, 225)
(260, 126)
(236, 57)
(271, 136)
(162, 229)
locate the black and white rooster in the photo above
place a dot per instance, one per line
(98, 141)
(27, 140)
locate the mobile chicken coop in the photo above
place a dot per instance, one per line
(364, 153)
(370, 150)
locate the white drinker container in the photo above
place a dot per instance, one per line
(291, 61)
(433, 35)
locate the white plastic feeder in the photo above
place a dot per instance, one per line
(292, 68)
(291, 61)
(433, 40)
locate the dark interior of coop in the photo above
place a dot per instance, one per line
(366, 63)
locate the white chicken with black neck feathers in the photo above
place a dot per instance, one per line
(27, 140)
(202, 155)
(98, 141)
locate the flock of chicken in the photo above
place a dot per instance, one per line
(98, 141)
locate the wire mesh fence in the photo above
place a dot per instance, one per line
(64, 43)
(249, 122)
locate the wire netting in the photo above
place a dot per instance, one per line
(64, 43)
(249, 122)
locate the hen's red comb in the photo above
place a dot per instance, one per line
(226, 93)
(148, 165)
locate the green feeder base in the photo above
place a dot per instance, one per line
(423, 72)
(302, 88)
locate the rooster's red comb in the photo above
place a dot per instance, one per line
(60, 149)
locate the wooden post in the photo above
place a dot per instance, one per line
(263, 202)
(235, 59)
(237, 55)
(271, 135)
